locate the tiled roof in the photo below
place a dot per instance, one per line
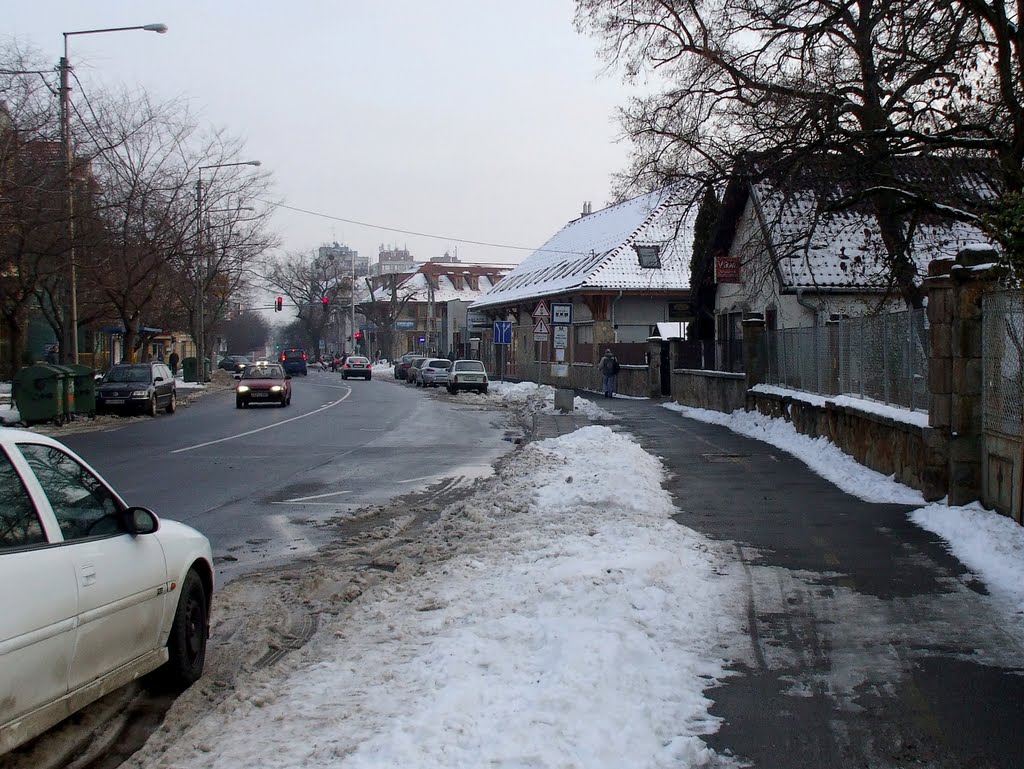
(416, 283)
(596, 252)
(843, 248)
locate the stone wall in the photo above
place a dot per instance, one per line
(712, 390)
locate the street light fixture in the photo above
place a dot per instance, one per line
(202, 268)
(71, 328)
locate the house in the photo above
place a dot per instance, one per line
(435, 299)
(808, 247)
(613, 274)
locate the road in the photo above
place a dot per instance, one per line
(258, 481)
(272, 487)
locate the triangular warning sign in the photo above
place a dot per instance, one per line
(541, 310)
(541, 327)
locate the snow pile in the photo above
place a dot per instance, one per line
(562, 620)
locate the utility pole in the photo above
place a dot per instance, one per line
(352, 296)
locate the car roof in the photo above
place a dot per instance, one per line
(8, 434)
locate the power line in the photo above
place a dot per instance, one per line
(419, 234)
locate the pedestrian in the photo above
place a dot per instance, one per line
(173, 362)
(609, 368)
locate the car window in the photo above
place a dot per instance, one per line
(439, 363)
(19, 521)
(469, 365)
(84, 507)
(264, 372)
(356, 359)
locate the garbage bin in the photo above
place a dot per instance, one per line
(67, 384)
(85, 389)
(38, 393)
(189, 370)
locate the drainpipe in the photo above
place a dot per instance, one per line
(615, 328)
(804, 303)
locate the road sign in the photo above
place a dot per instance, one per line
(541, 310)
(541, 327)
(503, 332)
(561, 313)
(561, 340)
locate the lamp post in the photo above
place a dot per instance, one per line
(71, 327)
(202, 270)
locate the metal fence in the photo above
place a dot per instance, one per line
(879, 357)
(710, 355)
(1002, 352)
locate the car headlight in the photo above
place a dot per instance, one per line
(276, 389)
(140, 393)
(243, 388)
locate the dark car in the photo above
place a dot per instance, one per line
(234, 363)
(356, 365)
(137, 387)
(293, 361)
(403, 363)
(263, 383)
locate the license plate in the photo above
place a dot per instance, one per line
(261, 395)
(114, 401)
(471, 378)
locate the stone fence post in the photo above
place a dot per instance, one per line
(754, 354)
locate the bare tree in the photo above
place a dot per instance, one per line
(765, 86)
(313, 289)
(384, 307)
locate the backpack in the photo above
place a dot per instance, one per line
(615, 366)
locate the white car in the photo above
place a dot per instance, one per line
(433, 372)
(467, 375)
(95, 593)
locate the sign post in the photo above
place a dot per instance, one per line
(541, 330)
(502, 338)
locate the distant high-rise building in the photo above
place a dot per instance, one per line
(345, 258)
(391, 260)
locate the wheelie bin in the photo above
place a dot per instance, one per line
(85, 389)
(67, 384)
(38, 394)
(189, 370)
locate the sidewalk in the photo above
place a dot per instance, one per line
(867, 643)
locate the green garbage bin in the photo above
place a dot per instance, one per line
(189, 370)
(85, 389)
(67, 384)
(38, 393)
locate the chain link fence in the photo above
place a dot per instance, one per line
(882, 358)
(1002, 352)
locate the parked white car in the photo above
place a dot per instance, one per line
(95, 593)
(467, 375)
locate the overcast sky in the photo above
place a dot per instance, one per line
(471, 119)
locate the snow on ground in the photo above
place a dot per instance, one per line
(574, 625)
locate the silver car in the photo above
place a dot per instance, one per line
(433, 372)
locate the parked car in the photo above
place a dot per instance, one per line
(403, 363)
(98, 592)
(294, 361)
(433, 372)
(412, 372)
(467, 375)
(267, 383)
(356, 366)
(137, 387)
(234, 363)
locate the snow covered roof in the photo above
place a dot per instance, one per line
(597, 252)
(450, 282)
(820, 247)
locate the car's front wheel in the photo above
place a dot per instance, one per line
(172, 404)
(187, 642)
(239, 403)
(152, 406)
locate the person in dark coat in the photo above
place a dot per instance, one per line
(609, 368)
(172, 361)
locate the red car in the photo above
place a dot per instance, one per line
(263, 383)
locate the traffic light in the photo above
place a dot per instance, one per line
(359, 335)
(325, 303)
(279, 304)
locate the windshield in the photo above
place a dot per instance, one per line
(469, 365)
(127, 374)
(263, 372)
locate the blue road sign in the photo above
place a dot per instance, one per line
(503, 332)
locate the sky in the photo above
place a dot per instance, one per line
(469, 119)
(575, 624)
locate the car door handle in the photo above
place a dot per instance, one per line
(88, 574)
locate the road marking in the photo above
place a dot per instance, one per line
(266, 427)
(315, 496)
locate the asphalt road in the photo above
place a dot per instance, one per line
(257, 481)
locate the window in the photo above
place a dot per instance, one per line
(19, 522)
(84, 507)
(649, 256)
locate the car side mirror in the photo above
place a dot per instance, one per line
(287, 376)
(139, 520)
(157, 379)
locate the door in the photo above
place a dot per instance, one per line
(120, 578)
(37, 636)
(666, 370)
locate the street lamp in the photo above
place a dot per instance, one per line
(201, 268)
(65, 137)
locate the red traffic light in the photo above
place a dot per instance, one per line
(279, 304)
(324, 303)
(359, 335)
